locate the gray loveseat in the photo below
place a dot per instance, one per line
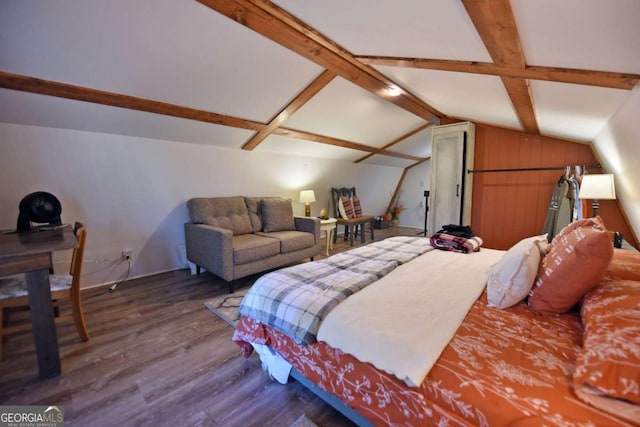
(233, 237)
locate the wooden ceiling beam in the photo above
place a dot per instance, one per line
(283, 28)
(395, 141)
(309, 136)
(309, 92)
(396, 192)
(521, 98)
(496, 26)
(563, 75)
(80, 93)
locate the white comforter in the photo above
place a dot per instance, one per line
(402, 323)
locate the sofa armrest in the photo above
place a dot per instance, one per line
(210, 247)
(308, 224)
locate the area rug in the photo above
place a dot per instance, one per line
(226, 306)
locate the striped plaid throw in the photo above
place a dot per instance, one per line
(294, 300)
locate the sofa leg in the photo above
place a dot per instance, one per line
(311, 259)
(197, 270)
(232, 285)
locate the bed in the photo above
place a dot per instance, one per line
(511, 359)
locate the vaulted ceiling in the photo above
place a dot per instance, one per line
(358, 80)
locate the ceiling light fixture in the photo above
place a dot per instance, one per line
(393, 90)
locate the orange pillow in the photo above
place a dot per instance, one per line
(609, 362)
(624, 265)
(580, 223)
(576, 261)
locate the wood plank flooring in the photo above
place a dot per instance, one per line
(158, 357)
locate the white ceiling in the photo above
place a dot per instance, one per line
(184, 53)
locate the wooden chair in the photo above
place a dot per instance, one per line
(353, 225)
(13, 294)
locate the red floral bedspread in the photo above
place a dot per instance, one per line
(503, 367)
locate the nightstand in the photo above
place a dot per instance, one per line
(329, 227)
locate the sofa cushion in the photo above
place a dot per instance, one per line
(224, 212)
(277, 215)
(291, 241)
(251, 247)
(255, 210)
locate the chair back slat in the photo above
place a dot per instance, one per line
(78, 254)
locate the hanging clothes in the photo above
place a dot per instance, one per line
(579, 209)
(559, 212)
(577, 203)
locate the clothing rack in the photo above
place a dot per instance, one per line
(553, 168)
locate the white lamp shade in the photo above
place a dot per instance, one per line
(597, 187)
(307, 196)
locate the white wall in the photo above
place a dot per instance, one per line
(618, 145)
(131, 192)
(415, 183)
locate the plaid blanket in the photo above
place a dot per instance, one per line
(448, 242)
(294, 300)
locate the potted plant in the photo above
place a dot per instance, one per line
(395, 213)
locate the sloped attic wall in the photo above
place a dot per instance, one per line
(618, 145)
(131, 192)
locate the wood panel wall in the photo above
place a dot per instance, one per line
(509, 206)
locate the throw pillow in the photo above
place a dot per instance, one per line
(341, 211)
(574, 264)
(511, 278)
(223, 212)
(580, 223)
(277, 215)
(357, 208)
(347, 207)
(607, 370)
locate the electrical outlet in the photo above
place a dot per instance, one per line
(127, 254)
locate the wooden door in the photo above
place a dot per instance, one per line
(450, 198)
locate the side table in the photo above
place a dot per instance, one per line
(329, 227)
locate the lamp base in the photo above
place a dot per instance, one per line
(595, 205)
(307, 209)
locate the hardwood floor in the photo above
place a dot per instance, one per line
(158, 357)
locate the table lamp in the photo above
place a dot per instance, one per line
(307, 197)
(597, 187)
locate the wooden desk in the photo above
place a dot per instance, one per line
(30, 253)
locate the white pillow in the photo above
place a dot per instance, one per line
(343, 213)
(511, 278)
